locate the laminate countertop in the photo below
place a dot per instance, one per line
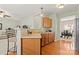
(31, 36)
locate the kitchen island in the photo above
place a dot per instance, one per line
(31, 44)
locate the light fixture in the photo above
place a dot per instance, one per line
(4, 13)
(60, 5)
(42, 13)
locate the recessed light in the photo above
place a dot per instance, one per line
(60, 5)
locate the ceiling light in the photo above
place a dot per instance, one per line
(60, 5)
(42, 12)
(41, 15)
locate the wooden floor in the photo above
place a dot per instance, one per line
(12, 53)
(60, 47)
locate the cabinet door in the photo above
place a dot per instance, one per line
(30, 46)
(51, 37)
(43, 39)
(46, 38)
(47, 23)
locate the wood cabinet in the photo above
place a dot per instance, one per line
(51, 37)
(30, 46)
(47, 22)
(47, 38)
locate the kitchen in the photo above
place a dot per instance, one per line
(37, 38)
(29, 28)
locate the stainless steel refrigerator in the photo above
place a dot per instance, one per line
(77, 34)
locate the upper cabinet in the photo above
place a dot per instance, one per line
(47, 22)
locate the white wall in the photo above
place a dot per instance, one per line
(3, 46)
(37, 22)
(6, 23)
(27, 21)
(34, 22)
(55, 25)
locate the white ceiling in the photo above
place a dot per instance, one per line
(22, 11)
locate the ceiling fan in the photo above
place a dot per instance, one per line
(41, 13)
(4, 14)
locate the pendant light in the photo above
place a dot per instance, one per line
(42, 13)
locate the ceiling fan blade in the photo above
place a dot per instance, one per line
(6, 16)
(38, 14)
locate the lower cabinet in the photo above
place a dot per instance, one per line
(30, 46)
(51, 37)
(47, 38)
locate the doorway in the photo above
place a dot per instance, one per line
(67, 31)
(67, 28)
